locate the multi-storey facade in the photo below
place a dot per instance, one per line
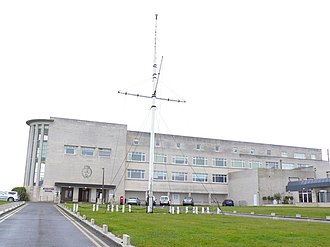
(74, 160)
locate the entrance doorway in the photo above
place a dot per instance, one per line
(66, 194)
(83, 195)
(305, 196)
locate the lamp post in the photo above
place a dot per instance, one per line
(103, 197)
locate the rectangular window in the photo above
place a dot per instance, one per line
(157, 143)
(160, 175)
(299, 156)
(217, 148)
(220, 162)
(160, 158)
(70, 149)
(198, 146)
(313, 156)
(200, 161)
(179, 176)
(235, 150)
(251, 151)
(180, 160)
(136, 156)
(104, 152)
(87, 151)
(219, 178)
(288, 166)
(178, 145)
(135, 174)
(269, 152)
(271, 165)
(237, 163)
(255, 164)
(304, 165)
(199, 177)
(284, 154)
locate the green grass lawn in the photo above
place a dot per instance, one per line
(1, 202)
(163, 229)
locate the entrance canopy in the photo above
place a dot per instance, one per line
(308, 184)
(98, 186)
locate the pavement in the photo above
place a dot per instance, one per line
(5, 208)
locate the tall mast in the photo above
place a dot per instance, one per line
(152, 130)
(153, 97)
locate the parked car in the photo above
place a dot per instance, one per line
(228, 202)
(153, 199)
(133, 201)
(9, 196)
(164, 200)
(188, 201)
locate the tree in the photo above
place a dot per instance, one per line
(23, 195)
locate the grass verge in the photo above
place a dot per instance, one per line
(163, 229)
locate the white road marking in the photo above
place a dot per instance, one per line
(85, 231)
(2, 219)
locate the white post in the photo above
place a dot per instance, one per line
(123, 208)
(203, 210)
(196, 210)
(178, 210)
(126, 240)
(112, 208)
(93, 207)
(207, 210)
(129, 208)
(97, 207)
(187, 210)
(108, 207)
(117, 208)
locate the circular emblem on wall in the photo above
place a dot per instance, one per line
(86, 171)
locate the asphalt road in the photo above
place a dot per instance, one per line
(42, 224)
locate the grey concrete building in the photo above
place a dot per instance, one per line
(76, 160)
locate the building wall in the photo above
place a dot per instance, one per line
(68, 168)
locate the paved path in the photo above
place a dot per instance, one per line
(41, 224)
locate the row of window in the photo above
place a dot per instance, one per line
(217, 162)
(178, 176)
(87, 151)
(236, 150)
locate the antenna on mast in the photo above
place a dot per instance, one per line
(155, 80)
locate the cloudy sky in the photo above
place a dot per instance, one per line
(252, 70)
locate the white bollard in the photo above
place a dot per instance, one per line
(130, 208)
(112, 208)
(77, 207)
(93, 207)
(108, 207)
(207, 210)
(298, 215)
(117, 208)
(177, 210)
(173, 209)
(272, 214)
(84, 217)
(187, 210)
(193, 210)
(203, 210)
(252, 212)
(92, 221)
(218, 211)
(196, 210)
(105, 228)
(97, 207)
(126, 240)
(123, 209)
(327, 217)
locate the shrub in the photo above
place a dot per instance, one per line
(23, 195)
(277, 196)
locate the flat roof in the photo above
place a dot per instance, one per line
(99, 186)
(308, 184)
